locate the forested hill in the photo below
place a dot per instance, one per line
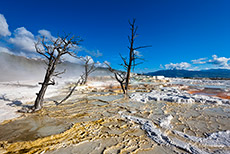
(211, 73)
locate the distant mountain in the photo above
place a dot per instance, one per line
(211, 73)
(13, 67)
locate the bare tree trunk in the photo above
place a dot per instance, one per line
(131, 57)
(47, 81)
(130, 63)
(40, 96)
(121, 83)
(89, 68)
(123, 89)
(127, 81)
(86, 78)
(86, 74)
(128, 75)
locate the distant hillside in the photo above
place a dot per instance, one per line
(211, 73)
(14, 67)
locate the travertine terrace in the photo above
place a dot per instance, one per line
(97, 118)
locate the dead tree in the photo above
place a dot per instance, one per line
(89, 67)
(53, 51)
(128, 63)
(71, 91)
(119, 76)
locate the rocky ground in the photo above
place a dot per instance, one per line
(159, 117)
(173, 94)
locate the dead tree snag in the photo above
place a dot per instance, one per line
(53, 50)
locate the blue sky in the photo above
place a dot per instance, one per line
(178, 30)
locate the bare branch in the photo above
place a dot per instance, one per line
(38, 50)
(124, 60)
(71, 54)
(109, 67)
(146, 46)
(52, 82)
(56, 74)
(44, 44)
(92, 68)
(125, 66)
(137, 64)
(70, 93)
(51, 55)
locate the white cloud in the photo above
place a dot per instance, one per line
(87, 58)
(214, 63)
(179, 66)
(71, 59)
(5, 50)
(199, 61)
(46, 34)
(93, 53)
(137, 53)
(23, 42)
(4, 31)
(98, 64)
(81, 61)
(221, 61)
(23, 39)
